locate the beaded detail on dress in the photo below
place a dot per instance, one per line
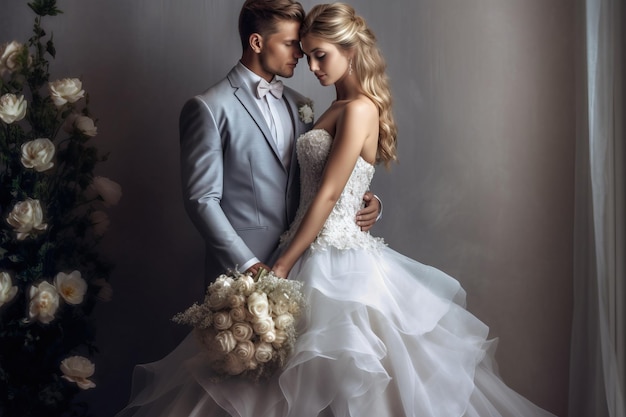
(340, 230)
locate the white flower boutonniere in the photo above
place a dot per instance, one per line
(306, 113)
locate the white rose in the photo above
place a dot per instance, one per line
(238, 314)
(258, 305)
(280, 337)
(226, 341)
(67, 90)
(26, 217)
(236, 300)
(12, 108)
(306, 113)
(83, 124)
(77, 369)
(233, 365)
(44, 302)
(38, 154)
(244, 350)
(7, 289)
(269, 337)
(263, 325)
(86, 126)
(217, 301)
(222, 320)
(244, 285)
(264, 352)
(9, 54)
(242, 331)
(72, 287)
(284, 321)
(108, 190)
(100, 222)
(106, 290)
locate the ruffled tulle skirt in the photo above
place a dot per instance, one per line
(382, 336)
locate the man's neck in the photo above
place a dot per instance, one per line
(251, 61)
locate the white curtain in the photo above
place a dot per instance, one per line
(597, 377)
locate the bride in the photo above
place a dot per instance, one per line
(385, 336)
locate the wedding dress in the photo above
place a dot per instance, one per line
(383, 335)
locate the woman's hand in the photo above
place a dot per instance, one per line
(281, 268)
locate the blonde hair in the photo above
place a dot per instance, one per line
(338, 24)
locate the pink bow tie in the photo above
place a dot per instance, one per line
(275, 87)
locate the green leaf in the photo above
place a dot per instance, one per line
(50, 48)
(44, 7)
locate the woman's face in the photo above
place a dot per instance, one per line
(329, 63)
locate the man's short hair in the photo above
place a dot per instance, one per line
(261, 16)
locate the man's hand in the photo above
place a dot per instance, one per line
(254, 269)
(367, 216)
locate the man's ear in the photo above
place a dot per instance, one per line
(256, 42)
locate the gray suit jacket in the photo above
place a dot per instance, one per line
(236, 190)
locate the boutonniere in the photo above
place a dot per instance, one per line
(305, 111)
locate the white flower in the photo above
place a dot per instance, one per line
(244, 350)
(9, 57)
(242, 331)
(217, 301)
(238, 314)
(258, 305)
(27, 217)
(100, 222)
(44, 302)
(67, 90)
(236, 300)
(7, 289)
(12, 108)
(279, 306)
(263, 325)
(306, 112)
(83, 124)
(72, 287)
(280, 337)
(106, 290)
(284, 321)
(226, 341)
(269, 337)
(264, 352)
(222, 320)
(38, 154)
(77, 369)
(244, 285)
(108, 190)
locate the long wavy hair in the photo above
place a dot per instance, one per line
(338, 23)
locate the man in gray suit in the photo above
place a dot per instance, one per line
(239, 170)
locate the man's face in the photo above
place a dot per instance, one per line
(281, 51)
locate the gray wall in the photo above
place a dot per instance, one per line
(484, 98)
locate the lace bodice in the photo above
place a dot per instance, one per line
(340, 229)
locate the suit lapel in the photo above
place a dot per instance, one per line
(245, 97)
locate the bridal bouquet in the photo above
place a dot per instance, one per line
(247, 324)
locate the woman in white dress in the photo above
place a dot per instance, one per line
(383, 335)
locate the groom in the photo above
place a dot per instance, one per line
(239, 170)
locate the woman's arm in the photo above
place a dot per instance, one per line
(350, 137)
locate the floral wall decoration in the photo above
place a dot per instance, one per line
(53, 216)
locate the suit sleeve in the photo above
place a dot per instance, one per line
(201, 162)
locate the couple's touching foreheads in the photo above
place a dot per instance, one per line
(271, 185)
